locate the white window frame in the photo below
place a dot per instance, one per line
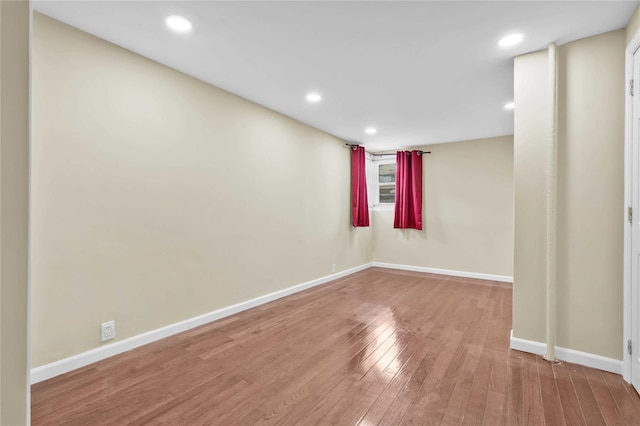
(374, 184)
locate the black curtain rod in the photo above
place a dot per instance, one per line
(353, 146)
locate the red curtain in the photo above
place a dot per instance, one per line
(408, 212)
(359, 201)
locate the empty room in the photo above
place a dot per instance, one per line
(319, 212)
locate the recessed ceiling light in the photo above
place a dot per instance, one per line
(509, 106)
(178, 24)
(370, 130)
(313, 97)
(510, 40)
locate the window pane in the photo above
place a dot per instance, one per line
(386, 173)
(387, 193)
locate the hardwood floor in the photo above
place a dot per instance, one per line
(378, 347)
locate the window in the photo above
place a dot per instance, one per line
(386, 183)
(382, 183)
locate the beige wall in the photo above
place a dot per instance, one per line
(468, 211)
(530, 133)
(157, 197)
(590, 194)
(633, 25)
(14, 191)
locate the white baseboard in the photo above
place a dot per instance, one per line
(65, 365)
(502, 278)
(569, 355)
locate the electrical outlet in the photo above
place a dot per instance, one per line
(333, 268)
(107, 330)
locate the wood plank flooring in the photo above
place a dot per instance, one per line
(378, 347)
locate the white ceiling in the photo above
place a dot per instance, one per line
(420, 72)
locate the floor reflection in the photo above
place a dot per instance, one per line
(382, 345)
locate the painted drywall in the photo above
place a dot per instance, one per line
(633, 25)
(14, 197)
(530, 133)
(157, 197)
(590, 194)
(468, 211)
